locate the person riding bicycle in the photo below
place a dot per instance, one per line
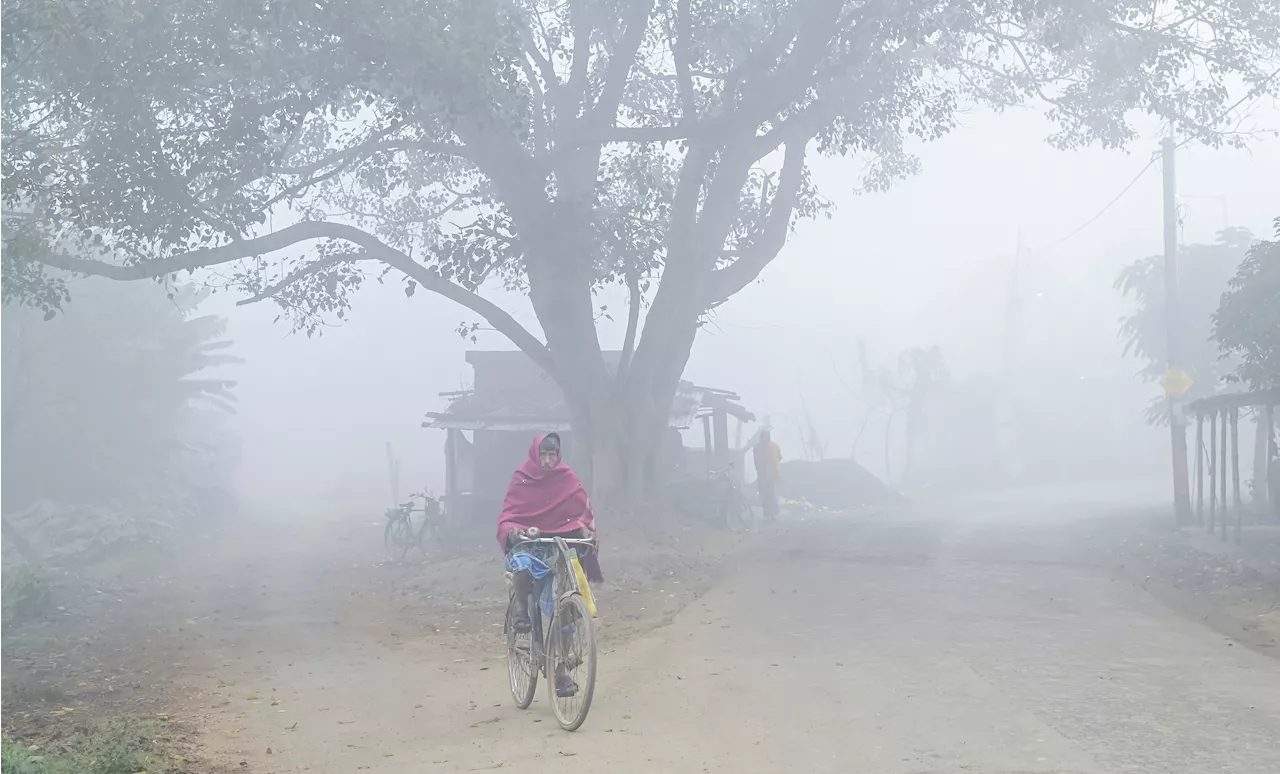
(544, 494)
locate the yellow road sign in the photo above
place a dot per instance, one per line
(1176, 382)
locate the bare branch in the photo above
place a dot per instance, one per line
(315, 267)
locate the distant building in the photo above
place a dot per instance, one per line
(511, 400)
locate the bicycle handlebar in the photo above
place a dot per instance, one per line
(584, 542)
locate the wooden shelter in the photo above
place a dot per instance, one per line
(511, 400)
(1217, 462)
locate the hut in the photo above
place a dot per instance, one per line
(489, 426)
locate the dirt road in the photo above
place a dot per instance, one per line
(986, 641)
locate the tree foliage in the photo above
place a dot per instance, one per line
(109, 403)
(302, 147)
(1246, 326)
(1203, 274)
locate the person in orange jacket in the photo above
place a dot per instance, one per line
(768, 459)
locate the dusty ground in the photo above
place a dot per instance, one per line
(992, 635)
(170, 636)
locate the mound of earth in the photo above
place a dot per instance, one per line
(838, 483)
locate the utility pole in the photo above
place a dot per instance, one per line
(1006, 416)
(1175, 377)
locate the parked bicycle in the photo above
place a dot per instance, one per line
(562, 642)
(733, 510)
(401, 535)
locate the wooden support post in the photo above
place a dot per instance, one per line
(1261, 458)
(1235, 471)
(720, 428)
(706, 444)
(1211, 459)
(1173, 342)
(450, 472)
(1222, 473)
(393, 475)
(1199, 468)
(1273, 495)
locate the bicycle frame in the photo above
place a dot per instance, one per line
(569, 585)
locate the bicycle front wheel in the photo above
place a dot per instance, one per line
(571, 662)
(429, 537)
(522, 665)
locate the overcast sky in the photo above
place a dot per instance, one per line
(927, 263)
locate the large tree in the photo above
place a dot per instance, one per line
(1204, 272)
(555, 147)
(1246, 326)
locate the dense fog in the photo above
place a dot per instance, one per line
(928, 263)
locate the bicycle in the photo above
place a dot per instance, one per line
(732, 508)
(399, 535)
(565, 643)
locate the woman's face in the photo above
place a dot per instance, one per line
(548, 459)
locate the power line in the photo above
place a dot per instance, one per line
(1253, 93)
(1105, 208)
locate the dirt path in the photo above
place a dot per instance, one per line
(983, 636)
(982, 642)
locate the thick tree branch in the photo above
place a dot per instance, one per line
(621, 60)
(375, 146)
(752, 260)
(681, 53)
(781, 82)
(573, 98)
(534, 54)
(787, 77)
(633, 323)
(642, 133)
(375, 248)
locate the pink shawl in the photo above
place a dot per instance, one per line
(552, 500)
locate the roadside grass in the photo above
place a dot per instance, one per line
(115, 746)
(28, 592)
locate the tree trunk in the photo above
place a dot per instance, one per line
(1261, 442)
(621, 416)
(623, 439)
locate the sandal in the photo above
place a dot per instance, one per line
(566, 687)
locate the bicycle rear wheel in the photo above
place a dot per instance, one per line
(571, 653)
(746, 514)
(522, 665)
(738, 510)
(397, 538)
(432, 527)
